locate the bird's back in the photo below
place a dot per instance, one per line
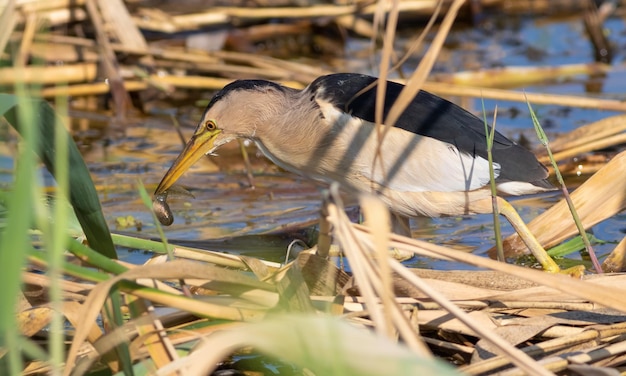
(431, 116)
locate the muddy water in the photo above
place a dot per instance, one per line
(226, 214)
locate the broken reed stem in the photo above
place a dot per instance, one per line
(543, 138)
(109, 61)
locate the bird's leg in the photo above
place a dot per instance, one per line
(324, 240)
(532, 243)
(246, 161)
(400, 225)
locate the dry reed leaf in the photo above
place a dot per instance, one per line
(451, 290)
(173, 270)
(367, 275)
(72, 312)
(483, 279)
(71, 288)
(31, 321)
(518, 358)
(322, 276)
(539, 350)
(444, 320)
(548, 294)
(616, 261)
(577, 288)
(152, 332)
(294, 292)
(513, 335)
(311, 342)
(607, 142)
(377, 218)
(218, 258)
(105, 344)
(345, 230)
(600, 197)
(588, 133)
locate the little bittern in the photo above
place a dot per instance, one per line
(432, 162)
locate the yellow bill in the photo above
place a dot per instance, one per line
(201, 143)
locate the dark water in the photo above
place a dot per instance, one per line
(286, 206)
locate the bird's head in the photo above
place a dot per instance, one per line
(236, 111)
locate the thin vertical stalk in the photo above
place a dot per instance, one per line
(492, 182)
(14, 241)
(543, 138)
(58, 238)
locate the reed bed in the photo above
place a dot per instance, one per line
(186, 311)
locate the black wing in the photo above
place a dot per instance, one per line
(432, 116)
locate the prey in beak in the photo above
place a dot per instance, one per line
(201, 143)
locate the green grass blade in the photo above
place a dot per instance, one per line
(490, 134)
(82, 193)
(14, 240)
(581, 229)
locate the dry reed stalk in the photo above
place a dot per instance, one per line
(48, 75)
(607, 142)
(8, 21)
(590, 290)
(515, 355)
(109, 60)
(60, 39)
(89, 89)
(53, 53)
(600, 197)
(516, 96)
(211, 306)
(367, 274)
(218, 258)
(587, 290)
(29, 6)
(120, 22)
(536, 350)
(63, 16)
(520, 75)
(44, 281)
(223, 15)
(358, 25)
(294, 69)
(341, 224)
(151, 331)
(377, 218)
(26, 44)
(195, 82)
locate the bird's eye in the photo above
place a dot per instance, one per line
(209, 125)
